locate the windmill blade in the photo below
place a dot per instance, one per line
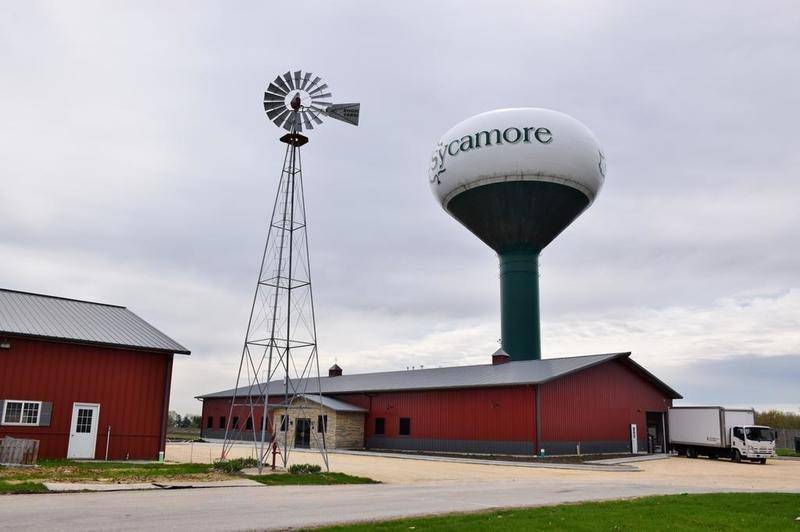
(320, 106)
(305, 81)
(274, 114)
(306, 121)
(319, 89)
(318, 96)
(288, 78)
(293, 122)
(282, 84)
(317, 79)
(272, 106)
(345, 112)
(273, 97)
(297, 79)
(279, 119)
(276, 90)
(314, 117)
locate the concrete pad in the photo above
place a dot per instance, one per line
(139, 486)
(587, 466)
(631, 459)
(95, 486)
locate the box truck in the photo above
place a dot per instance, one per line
(718, 432)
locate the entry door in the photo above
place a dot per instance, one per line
(302, 432)
(83, 430)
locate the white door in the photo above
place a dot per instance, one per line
(634, 439)
(83, 430)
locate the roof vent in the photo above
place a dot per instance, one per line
(500, 357)
(335, 371)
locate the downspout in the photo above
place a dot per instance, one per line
(165, 413)
(366, 418)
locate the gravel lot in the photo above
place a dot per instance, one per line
(778, 475)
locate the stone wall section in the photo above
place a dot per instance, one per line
(345, 430)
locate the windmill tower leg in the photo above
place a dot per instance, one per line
(281, 339)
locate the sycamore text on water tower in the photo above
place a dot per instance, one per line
(510, 135)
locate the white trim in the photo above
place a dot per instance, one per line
(10, 424)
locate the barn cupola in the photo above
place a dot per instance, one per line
(335, 371)
(500, 357)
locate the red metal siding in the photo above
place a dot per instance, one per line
(598, 404)
(465, 414)
(499, 414)
(129, 386)
(219, 408)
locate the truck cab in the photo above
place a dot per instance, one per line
(752, 442)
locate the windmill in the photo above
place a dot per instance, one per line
(279, 366)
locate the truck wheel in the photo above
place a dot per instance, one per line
(691, 453)
(763, 461)
(736, 456)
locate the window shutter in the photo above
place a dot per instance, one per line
(44, 415)
(2, 409)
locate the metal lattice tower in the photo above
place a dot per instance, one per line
(279, 359)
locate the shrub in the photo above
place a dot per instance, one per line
(234, 465)
(304, 469)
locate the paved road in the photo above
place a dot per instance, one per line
(249, 508)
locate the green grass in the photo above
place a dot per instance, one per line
(183, 434)
(56, 470)
(310, 479)
(718, 511)
(21, 487)
(786, 452)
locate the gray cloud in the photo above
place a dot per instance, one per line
(138, 168)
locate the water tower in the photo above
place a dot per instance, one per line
(516, 178)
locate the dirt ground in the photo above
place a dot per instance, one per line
(675, 471)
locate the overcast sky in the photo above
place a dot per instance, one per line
(138, 168)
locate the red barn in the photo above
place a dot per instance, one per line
(87, 380)
(558, 404)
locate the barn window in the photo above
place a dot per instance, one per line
(380, 426)
(235, 423)
(222, 422)
(405, 426)
(210, 422)
(248, 425)
(21, 412)
(322, 423)
(284, 423)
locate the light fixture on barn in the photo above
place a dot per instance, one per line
(280, 358)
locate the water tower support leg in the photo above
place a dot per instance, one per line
(519, 307)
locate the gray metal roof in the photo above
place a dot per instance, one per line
(50, 317)
(508, 374)
(333, 404)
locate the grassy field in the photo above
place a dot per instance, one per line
(29, 479)
(183, 434)
(21, 487)
(786, 452)
(718, 511)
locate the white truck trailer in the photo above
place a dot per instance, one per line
(715, 432)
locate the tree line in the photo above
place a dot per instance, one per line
(189, 421)
(778, 420)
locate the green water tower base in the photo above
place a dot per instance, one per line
(519, 303)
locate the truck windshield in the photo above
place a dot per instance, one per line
(758, 434)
